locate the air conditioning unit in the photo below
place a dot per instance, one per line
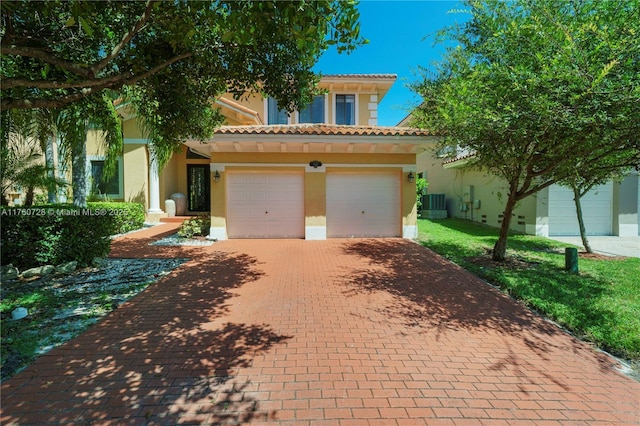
(435, 202)
(434, 206)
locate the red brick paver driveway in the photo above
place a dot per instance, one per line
(333, 332)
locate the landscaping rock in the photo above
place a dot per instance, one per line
(99, 262)
(9, 272)
(88, 294)
(40, 271)
(19, 313)
(66, 268)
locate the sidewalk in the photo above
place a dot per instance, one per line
(609, 245)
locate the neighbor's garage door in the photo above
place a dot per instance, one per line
(265, 205)
(363, 205)
(596, 210)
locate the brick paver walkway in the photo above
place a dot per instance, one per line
(335, 332)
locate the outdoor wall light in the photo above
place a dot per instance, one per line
(410, 177)
(315, 164)
(216, 177)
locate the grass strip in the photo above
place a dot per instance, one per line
(600, 305)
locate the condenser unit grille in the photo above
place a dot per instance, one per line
(436, 202)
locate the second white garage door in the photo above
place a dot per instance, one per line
(596, 210)
(265, 205)
(363, 205)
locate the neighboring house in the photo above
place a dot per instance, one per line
(326, 171)
(610, 209)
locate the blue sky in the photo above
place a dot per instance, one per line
(401, 38)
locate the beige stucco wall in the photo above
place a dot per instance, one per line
(173, 177)
(136, 174)
(363, 110)
(94, 147)
(130, 129)
(305, 158)
(409, 206)
(315, 199)
(314, 181)
(219, 202)
(169, 180)
(485, 203)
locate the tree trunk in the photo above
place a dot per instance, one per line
(583, 232)
(500, 248)
(29, 196)
(79, 174)
(50, 161)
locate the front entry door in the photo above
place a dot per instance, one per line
(198, 186)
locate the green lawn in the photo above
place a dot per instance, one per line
(600, 305)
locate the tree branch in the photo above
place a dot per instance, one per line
(57, 103)
(114, 83)
(125, 39)
(32, 52)
(536, 189)
(10, 83)
(135, 78)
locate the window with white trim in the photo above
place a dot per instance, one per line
(346, 109)
(314, 112)
(105, 186)
(275, 115)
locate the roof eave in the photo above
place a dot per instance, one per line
(457, 164)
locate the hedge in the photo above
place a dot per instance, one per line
(55, 234)
(127, 216)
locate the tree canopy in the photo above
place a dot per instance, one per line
(57, 52)
(169, 59)
(538, 90)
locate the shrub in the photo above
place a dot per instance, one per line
(41, 235)
(195, 226)
(127, 216)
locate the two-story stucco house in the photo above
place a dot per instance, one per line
(326, 171)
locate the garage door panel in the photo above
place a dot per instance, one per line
(265, 205)
(257, 196)
(288, 194)
(248, 212)
(363, 205)
(253, 179)
(596, 210)
(280, 229)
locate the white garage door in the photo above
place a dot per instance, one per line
(265, 205)
(596, 210)
(363, 205)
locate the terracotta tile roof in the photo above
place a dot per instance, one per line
(321, 129)
(460, 157)
(351, 76)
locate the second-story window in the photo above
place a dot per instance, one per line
(314, 112)
(275, 115)
(346, 109)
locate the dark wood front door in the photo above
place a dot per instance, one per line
(198, 186)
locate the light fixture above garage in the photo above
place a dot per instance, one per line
(410, 177)
(216, 177)
(315, 164)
